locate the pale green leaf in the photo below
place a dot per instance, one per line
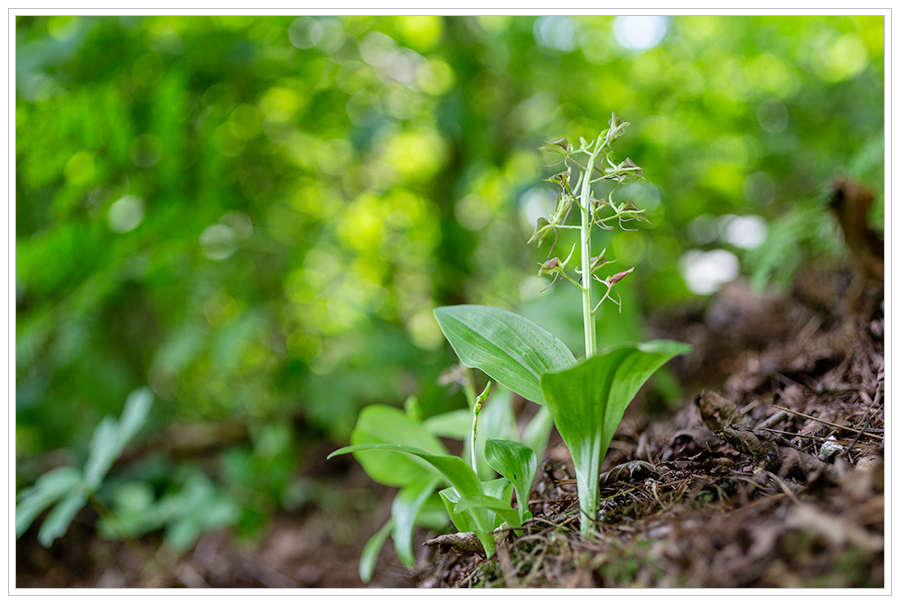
(380, 424)
(455, 424)
(537, 432)
(485, 502)
(60, 517)
(134, 415)
(463, 522)
(480, 520)
(454, 469)
(104, 449)
(371, 550)
(496, 420)
(111, 437)
(404, 511)
(49, 488)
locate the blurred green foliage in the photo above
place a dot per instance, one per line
(255, 216)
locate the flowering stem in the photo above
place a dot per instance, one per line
(590, 331)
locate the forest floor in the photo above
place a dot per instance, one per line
(770, 474)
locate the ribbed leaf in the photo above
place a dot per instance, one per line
(587, 403)
(510, 349)
(479, 519)
(518, 464)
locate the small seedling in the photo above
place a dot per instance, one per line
(398, 449)
(68, 489)
(473, 505)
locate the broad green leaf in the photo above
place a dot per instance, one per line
(60, 517)
(587, 403)
(454, 469)
(371, 550)
(49, 488)
(484, 502)
(510, 349)
(457, 472)
(480, 520)
(499, 488)
(433, 514)
(404, 511)
(463, 522)
(517, 463)
(537, 432)
(380, 424)
(453, 424)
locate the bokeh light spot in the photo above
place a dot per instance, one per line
(640, 33)
(840, 60)
(772, 116)
(126, 214)
(759, 188)
(745, 232)
(80, 168)
(705, 272)
(473, 212)
(334, 156)
(556, 33)
(218, 242)
(146, 150)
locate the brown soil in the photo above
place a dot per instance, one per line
(736, 489)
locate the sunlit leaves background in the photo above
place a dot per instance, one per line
(256, 216)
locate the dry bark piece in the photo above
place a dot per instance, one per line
(628, 471)
(718, 412)
(461, 543)
(851, 202)
(772, 453)
(840, 532)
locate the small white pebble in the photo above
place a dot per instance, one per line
(829, 449)
(659, 531)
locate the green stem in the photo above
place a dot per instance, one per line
(475, 436)
(469, 388)
(469, 391)
(588, 483)
(590, 331)
(476, 409)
